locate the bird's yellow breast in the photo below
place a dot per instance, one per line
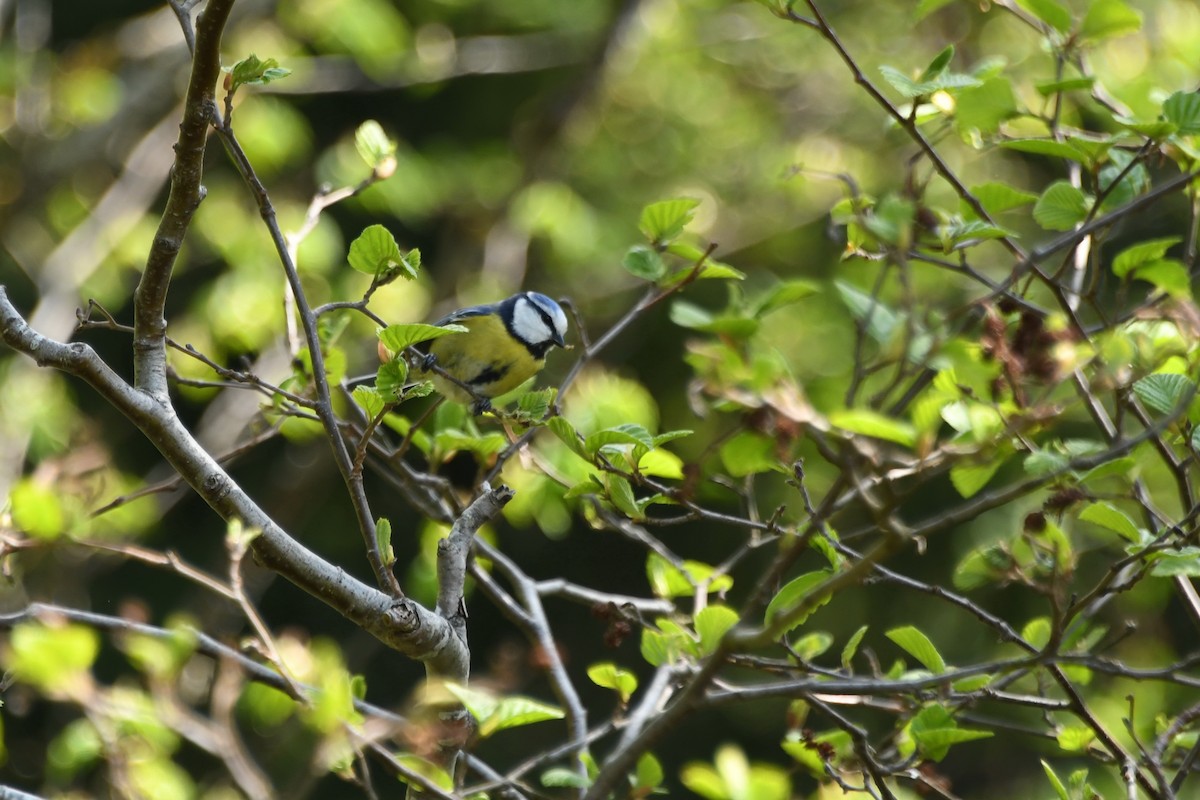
(487, 358)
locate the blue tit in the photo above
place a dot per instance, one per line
(504, 346)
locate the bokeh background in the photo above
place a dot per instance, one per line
(531, 133)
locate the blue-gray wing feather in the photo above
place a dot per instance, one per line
(469, 311)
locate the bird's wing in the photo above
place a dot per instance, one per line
(469, 311)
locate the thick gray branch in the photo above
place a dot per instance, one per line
(150, 326)
(403, 625)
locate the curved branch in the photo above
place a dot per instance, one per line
(403, 625)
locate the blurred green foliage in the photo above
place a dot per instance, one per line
(528, 138)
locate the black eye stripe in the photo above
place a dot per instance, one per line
(545, 317)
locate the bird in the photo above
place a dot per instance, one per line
(504, 346)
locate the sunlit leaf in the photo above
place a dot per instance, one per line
(918, 645)
(399, 337)
(1183, 109)
(1163, 392)
(1061, 207)
(661, 222)
(609, 676)
(795, 593)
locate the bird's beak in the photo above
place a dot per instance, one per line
(558, 339)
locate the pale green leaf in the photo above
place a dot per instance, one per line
(918, 645)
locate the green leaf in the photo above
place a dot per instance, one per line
(1046, 147)
(927, 7)
(1107, 18)
(997, 197)
(668, 581)
(852, 646)
(370, 399)
(1049, 12)
(561, 777)
(937, 742)
(535, 405)
(984, 107)
(398, 338)
(1037, 631)
(661, 222)
(426, 769)
(1108, 516)
(918, 645)
(1183, 109)
(1047, 88)
(1059, 789)
(783, 294)
(1075, 738)
(252, 71)
(620, 436)
(1163, 391)
(711, 624)
(497, 714)
(390, 378)
(748, 453)
(376, 253)
(1168, 276)
(37, 509)
(565, 431)
(794, 594)
(373, 144)
(52, 657)
(620, 492)
(881, 320)
(1061, 207)
(690, 315)
(871, 423)
(383, 541)
(939, 64)
(649, 773)
(1143, 253)
(644, 262)
(1185, 561)
(812, 645)
(609, 676)
(968, 478)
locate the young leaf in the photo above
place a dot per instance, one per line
(881, 321)
(565, 431)
(1049, 12)
(399, 337)
(711, 624)
(1075, 738)
(1163, 391)
(370, 399)
(649, 772)
(748, 453)
(997, 197)
(376, 253)
(795, 593)
(1108, 516)
(918, 645)
(811, 645)
(609, 676)
(968, 478)
(383, 541)
(426, 769)
(852, 646)
(253, 71)
(871, 423)
(939, 64)
(375, 147)
(644, 262)
(1055, 782)
(1143, 253)
(1061, 207)
(661, 222)
(1107, 18)
(1183, 109)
